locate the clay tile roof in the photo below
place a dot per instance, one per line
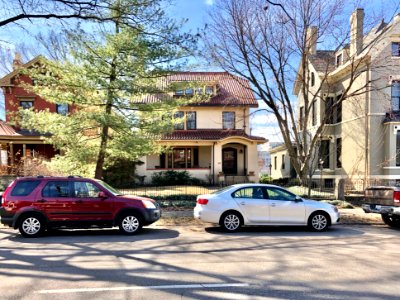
(8, 130)
(209, 134)
(231, 90)
(323, 61)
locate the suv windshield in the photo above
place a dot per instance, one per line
(109, 188)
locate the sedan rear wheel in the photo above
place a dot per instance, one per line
(231, 222)
(318, 222)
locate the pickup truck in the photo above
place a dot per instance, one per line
(383, 200)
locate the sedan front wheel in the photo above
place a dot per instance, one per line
(318, 221)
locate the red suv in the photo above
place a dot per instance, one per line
(34, 204)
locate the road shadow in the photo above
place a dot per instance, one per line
(285, 231)
(94, 235)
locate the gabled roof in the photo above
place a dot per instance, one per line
(231, 90)
(6, 80)
(323, 61)
(209, 135)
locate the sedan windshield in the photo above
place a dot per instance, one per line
(109, 188)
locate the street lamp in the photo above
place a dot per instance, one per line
(321, 166)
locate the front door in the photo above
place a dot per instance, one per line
(229, 161)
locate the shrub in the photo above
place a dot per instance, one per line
(264, 178)
(171, 177)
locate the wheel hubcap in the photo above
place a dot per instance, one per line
(231, 222)
(319, 222)
(130, 224)
(31, 225)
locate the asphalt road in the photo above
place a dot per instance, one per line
(346, 262)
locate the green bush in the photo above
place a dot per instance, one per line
(171, 177)
(264, 178)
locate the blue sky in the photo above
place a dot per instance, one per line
(195, 11)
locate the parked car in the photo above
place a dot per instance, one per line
(383, 200)
(263, 204)
(34, 204)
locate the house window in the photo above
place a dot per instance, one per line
(179, 92)
(339, 108)
(283, 161)
(180, 125)
(190, 120)
(312, 79)
(189, 92)
(26, 104)
(398, 148)
(301, 118)
(62, 109)
(180, 158)
(324, 154)
(314, 113)
(396, 49)
(339, 60)
(228, 120)
(329, 110)
(199, 90)
(275, 162)
(209, 90)
(338, 153)
(395, 95)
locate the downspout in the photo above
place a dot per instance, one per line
(367, 108)
(213, 164)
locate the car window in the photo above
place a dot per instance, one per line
(24, 188)
(83, 189)
(249, 192)
(56, 189)
(279, 194)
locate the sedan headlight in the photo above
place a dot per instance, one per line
(148, 204)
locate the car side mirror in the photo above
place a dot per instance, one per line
(298, 199)
(102, 195)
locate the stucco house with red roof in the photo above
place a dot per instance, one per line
(213, 143)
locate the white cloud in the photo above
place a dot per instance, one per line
(209, 2)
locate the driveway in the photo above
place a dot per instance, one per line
(193, 262)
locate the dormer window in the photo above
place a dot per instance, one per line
(396, 49)
(189, 92)
(339, 59)
(209, 90)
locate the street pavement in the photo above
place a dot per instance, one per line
(203, 262)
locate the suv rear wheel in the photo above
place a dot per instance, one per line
(130, 223)
(31, 225)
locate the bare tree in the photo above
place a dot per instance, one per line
(271, 44)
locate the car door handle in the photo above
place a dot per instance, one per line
(243, 203)
(41, 201)
(273, 204)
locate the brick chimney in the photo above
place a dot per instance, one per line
(356, 31)
(311, 40)
(17, 61)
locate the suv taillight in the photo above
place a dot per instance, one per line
(396, 197)
(8, 189)
(202, 201)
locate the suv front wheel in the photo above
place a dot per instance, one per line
(31, 225)
(130, 223)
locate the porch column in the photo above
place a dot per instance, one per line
(217, 160)
(11, 154)
(23, 150)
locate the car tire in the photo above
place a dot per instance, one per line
(31, 225)
(130, 223)
(318, 221)
(231, 221)
(392, 221)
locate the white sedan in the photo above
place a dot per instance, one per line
(263, 204)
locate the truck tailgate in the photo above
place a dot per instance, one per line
(380, 195)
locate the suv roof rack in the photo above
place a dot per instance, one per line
(74, 176)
